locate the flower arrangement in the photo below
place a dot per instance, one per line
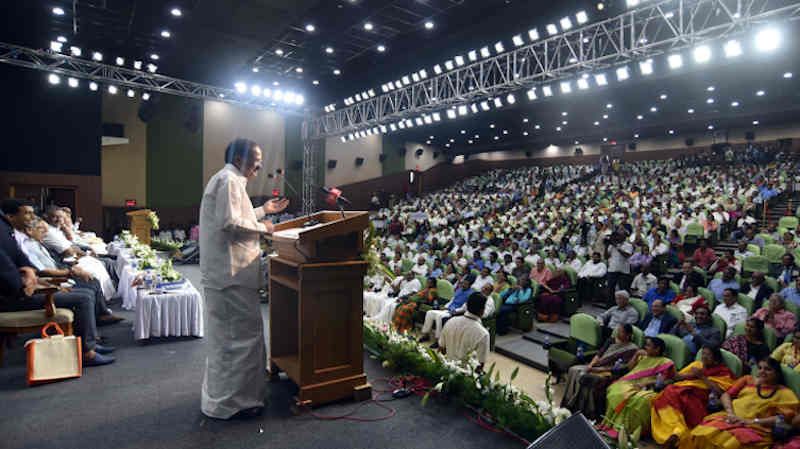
(153, 219)
(129, 239)
(371, 256)
(168, 273)
(165, 244)
(506, 406)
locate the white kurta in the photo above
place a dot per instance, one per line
(230, 258)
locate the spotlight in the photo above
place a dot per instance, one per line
(152, 68)
(472, 55)
(298, 69)
(381, 48)
(690, 111)
(436, 117)
(137, 65)
(449, 65)
(437, 69)
(240, 87)
(566, 87)
(58, 11)
(498, 47)
(92, 86)
(517, 40)
(131, 93)
(756, 122)
(646, 67)
(632, 3)
(498, 103)
(609, 106)
(653, 109)
(622, 73)
(511, 99)
(329, 50)
(547, 90)
(428, 120)
(451, 113)
(583, 84)
(636, 136)
(558, 128)
(75, 51)
(485, 106)
(278, 95)
(581, 17)
(72, 82)
(56, 46)
(639, 117)
(462, 110)
(760, 93)
(368, 26)
(146, 96)
(675, 61)
(279, 52)
(166, 34)
(768, 39)
(596, 123)
(485, 52)
(533, 34)
(787, 75)
(710, 127)
(710, 101)
(429, 25)
(423, 74)
(154, 57)
(371, 93)
(120, 60)
(419, 122)
(358, 97)
(711, 88)
(337, 72)
(552, 29)
(600, 79)
(310, 28)
(459, 60)
(702, 54)
(176, 12)
(600, 6)
(732, 49)
(255, 91)
(537, 127)
(566, 23)
(406, 80)
(112, 90)
(61, 39)
(672, 131)
(663, 96)
(275, 83)
(53, 79)
(605, 117)
(97, 56)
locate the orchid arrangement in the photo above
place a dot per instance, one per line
(153, 219)
(165, 244)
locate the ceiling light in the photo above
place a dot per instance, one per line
(511, 99)
(53, 79)
(605, 116)
(710, 101)
(537, 127)
(485, 52)
(485, 106)
(768, 39)
(672, 131)
(787, 75)
(329, 50)
(760, 93)
(632, 3)
(392, 127)
(154, 56)
(278, 95)
(381, 48)
(653, 109)
(583, 84)
(675, 61)
(551, 29)
(756, 122)
(240, 87)
(548, 91)
(298, 69)
(474, 108)
(72, 82)
(429, 25)
(112, 90)
(97, 56)
(337, 72)
(451, 113)
(166, 34)
(732, 49)
(423, 74)
(75, 51)
(310, 28)
(505, 131)
(690, 111)
(415, 77)
(566, 87)
(152, 68)
(646, 67)
(137, 65)
(605, 139)
(566, 23)
(663, 96)
(275, 83)
(525, 120)
(525, 133)
(600, 6)
(176, 12)
(639, 117)
(462, 110)
(56, 46)
(517, 40)
(406, 80)
(437, 69)
(533, 34)
(58, 11)
(498, 103)
(436, 116)
(711, 88)
(472, 55)
(710, 127)
(368, 26)
(702, 54)
(120, 60)
(418, 121)
(622, 73)
(255, 90)
(459, 60)
(581, 17)
(635, 136)
(315, 82)
(558, 128)
(735, 104)
(609, 106)
(532, 94)
(496, 138)
(596, 123)
(564, 122)
(577, 142)
(358, 97)
(131, 93)
(492, 125)
(600, 79)
(146, 96)
(279, 52)
(498, 47)
(92, 86)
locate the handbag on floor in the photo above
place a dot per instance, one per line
(53, 357)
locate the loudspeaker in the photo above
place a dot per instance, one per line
(297, 165)
(331, 163)
(359, 161)
(194, 117)
(689, 142)
(578, 152)
(750, 135)
(632, 146)
(435, 154)
(528, 154)
(382, 157)
(576, 432)
(148, 109)
(419, 152)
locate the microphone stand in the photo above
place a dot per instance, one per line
(341, 209)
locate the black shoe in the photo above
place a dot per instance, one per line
(435, 345)
(424, 338)
(249, 413)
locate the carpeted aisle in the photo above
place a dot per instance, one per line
(150, 398)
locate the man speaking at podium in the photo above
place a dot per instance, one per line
(230, 254)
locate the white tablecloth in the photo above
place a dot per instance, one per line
(177, 313)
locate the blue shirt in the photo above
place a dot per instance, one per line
(459, 299)
(493, 267)
(436, 273)
(653, 294)
(479, 263)
(791, 294)
(654, 328)
(514, 296)
(718, 286)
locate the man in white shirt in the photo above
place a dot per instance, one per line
(643, 282)
(464, 334)
(381, 306)
(730, 311)
(742, 251)
(483, 279)
(592, 271)
(618, 253)
(421, 268)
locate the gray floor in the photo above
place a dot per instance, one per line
(150, 398)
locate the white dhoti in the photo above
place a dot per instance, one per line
(374, 302)
(235, 372)
(386, 313)
(433, 320)
(98, 270)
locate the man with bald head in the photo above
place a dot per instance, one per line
(230, 256)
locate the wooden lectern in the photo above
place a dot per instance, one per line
(140, 225)
(316, 306)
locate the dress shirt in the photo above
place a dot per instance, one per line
(704, 258)
(783, 322)
(653, 294)
(592, 270)
(462, 335)
(617, 263)
(791, 294)
(56, 240)
(718, 286)
(732, 315)
(480, 281)
(516, 296)
(788, 275)
(654, 328)
(642, 283)
(616, 316)
(420, 270)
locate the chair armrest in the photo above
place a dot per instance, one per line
(49, 305)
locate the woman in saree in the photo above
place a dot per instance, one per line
(628, 399)
(750, 346)
(586, 384)
(550, 300)
(501, 283)
(752, 407)
(683, 405)
(403, 319)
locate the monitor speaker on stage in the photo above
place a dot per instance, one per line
(419, 152)
(331, 163)
(750, 135)
(689, 142)
(359, 161)
(574, 433)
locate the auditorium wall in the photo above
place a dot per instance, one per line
(124, 167)
(426, 160)
(345, 154)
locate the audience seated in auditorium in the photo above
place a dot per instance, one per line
(434, 317)
(657, 321)
(550, 297)
(727, 281)
(791, 293)
(511, 299)
(622, 313)
(757, 289)
(643, 282)
(731, 312)
(789, 353)
(750, 346)
(662, 292)
(776, 317)
(700, 332)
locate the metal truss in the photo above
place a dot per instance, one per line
(122, 77)
(638, 34)
(311, 150)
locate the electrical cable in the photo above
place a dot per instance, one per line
(481, 421)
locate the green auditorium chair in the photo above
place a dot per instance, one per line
(677, 350)
(720, 324)
(770, 337)
(755, 249)
(584, 331)
(637, 338)
(570, 296)
(640, 307)
(703, 273)
(733, 362)
(522, 316)
(675, 312)
(694, 231)
(792, 378)
(774, 254)
(407, 265)
(490, 323)
(767, 238)
(771, 283)
(746, 302)
(788, 221)
(754, 263)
